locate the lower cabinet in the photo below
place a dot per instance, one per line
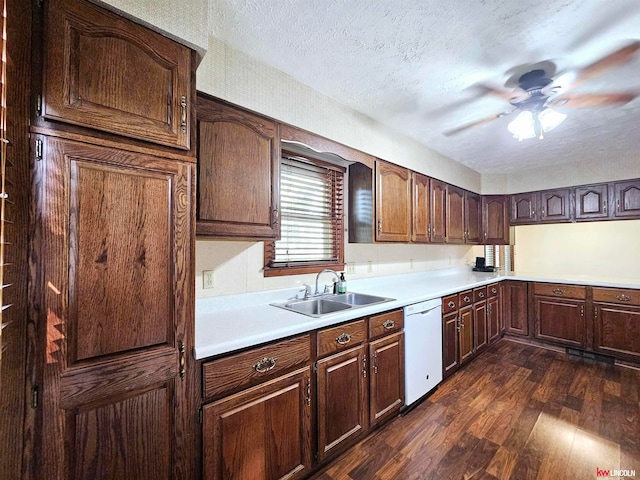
(342, 399)
(515, 307)
(263, 432)
(494, 328)
(386, 377)
(616, 314)
(466, 334)
(559, 314)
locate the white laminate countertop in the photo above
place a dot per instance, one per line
(232, 322)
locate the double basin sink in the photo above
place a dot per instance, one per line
(320, 306)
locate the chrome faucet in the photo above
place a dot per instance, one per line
(318, 277)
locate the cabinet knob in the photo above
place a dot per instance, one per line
(389, 324)
(264, 365)
(558, 291)
(481, 294)
(343, 338)
(466, 298)
(623, 298)
(494, 290)
(451, 305)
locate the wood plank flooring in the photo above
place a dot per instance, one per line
(516, 412)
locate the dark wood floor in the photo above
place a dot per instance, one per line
(516, 412)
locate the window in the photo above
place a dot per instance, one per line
(312, 222)
(500, 256)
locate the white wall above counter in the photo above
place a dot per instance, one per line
(232, 322)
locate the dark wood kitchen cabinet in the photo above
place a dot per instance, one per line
(494, 314)
(559, 314)
(421, 225)
(238, 172)
(480, 329)
(473, 232)
(592, 202)
(116, 323)
(450, 335)
(523, 208)
(393, 203)
(386, 357)
(467, 328)
(106, 72)
(515, 309)
(438, 196)
(616, 317)
(627, 199)
(454, 230)
(263, 432)
(495, 219)
(554, 206)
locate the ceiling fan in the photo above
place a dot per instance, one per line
(538, 94)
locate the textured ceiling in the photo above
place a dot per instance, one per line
(412, 65)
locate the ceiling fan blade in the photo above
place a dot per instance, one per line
(476, 123)
(579, 100)
(507, 95)
(619, 57)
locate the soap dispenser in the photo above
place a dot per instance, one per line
(342, 284)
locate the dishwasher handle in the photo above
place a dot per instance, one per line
(424, 312)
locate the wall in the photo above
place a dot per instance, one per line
(604, 249)
(240, 79)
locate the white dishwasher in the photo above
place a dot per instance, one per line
(422, 348)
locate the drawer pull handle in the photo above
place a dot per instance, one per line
(343, 339)
(623, 298)
(466, 298)
(481, 294)
(493, 290)
(183, 113)
(558, 291)
(389, 324)
(451, 305)
(265, 365)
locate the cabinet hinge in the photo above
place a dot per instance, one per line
(38, 149)
(315, 367)
(34, 396)
(38, 104)
(39, 3)
(200, 415)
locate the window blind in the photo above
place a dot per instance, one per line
(311, 213)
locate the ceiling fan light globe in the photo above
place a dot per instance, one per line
(550, 119)
(522, 127)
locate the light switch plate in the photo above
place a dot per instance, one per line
(207, 279)
(351, 267)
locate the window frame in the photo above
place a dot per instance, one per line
(274, 269)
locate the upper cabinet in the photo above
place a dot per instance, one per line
(238, 172)
(393, 203)
(495, 219)
(592, 202)
(548, 206)
(421, 226)
(108, 73)
(438, 196)
(472, 218)
(627, 199)
(455, 232)
(523, 208)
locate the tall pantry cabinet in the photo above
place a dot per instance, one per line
(112, 304)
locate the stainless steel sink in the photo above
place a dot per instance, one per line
(321, 306)
(360, 299)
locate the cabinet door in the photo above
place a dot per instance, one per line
(393, 203)
(495, 219)
(117, 314)
(386, 377)
(263, 433)
(466, 334)
(450, 343)
(591, 201)
(555, 205)
(438, 210)
(493, 319)
(421, 209)
(523, 208)
(105, 72)
(515, 308)
(238, 173)
(342, 400)
(560, 320)
(627, 199)
(617, 330)
(480, 335)
(455, 215)
(472, 218)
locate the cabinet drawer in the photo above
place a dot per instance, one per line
(479, 294)
(466, 298)
(450, 304)
(616, 295)
(254, 366)
(493, 290)
(560, 290)
(338, 338)
(385, 323)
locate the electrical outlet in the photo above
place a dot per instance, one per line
(351, 267)
(207, 279)
(369, 266)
